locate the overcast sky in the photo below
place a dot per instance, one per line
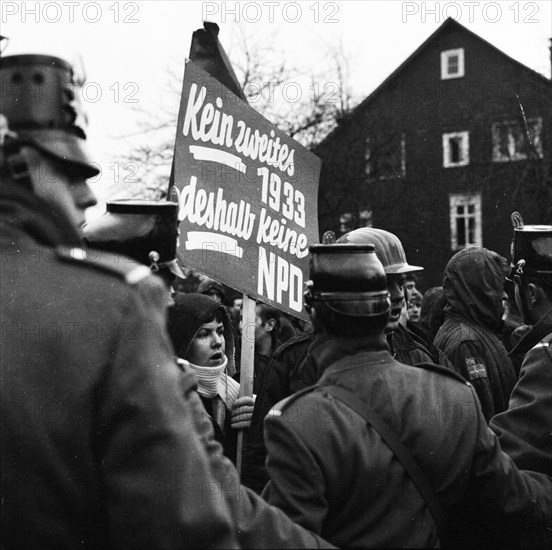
(127, 47)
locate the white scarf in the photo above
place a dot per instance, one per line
(213, 381)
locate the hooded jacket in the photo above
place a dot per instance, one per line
(473, 286)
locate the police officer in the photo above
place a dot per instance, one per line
(146, 231)
(524, 429)
(104, 444)
(337, 474)
(298, 363)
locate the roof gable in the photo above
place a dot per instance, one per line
(449, 25)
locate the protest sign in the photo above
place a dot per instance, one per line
(248, 195)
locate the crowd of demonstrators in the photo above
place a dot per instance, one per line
(349, 439)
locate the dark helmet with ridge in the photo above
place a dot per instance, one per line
(532, 249)
(349, 280)
(146, 231)
(39, 108)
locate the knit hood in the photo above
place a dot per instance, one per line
(188, 314)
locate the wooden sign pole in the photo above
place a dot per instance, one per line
(247, 360)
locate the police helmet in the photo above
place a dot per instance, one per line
(388, 248)
(532, 251)
(38, 100)
(146, 231)
(349, 279)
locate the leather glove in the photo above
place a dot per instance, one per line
(242, 412)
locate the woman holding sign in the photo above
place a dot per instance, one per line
(201, 333)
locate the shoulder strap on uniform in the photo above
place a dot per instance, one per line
(280, 407)
(129, 271)
(293, 341)
(442, 370)
(394, 443)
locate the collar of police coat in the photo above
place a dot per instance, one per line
(21, 209)
(534, 336)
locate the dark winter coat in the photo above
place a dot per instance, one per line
(473, 286)
(98, 448)
(295, 365)
(333, 474)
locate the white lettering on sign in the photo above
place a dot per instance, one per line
(208, 124)
(213, 212)
(274, 232)
(278, 279)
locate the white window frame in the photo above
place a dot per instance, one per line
(465, 200)
(445, 56)
(464, 145)
(535, 130)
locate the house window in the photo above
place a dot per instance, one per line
(386, 159)
(347, 220)
(510, 139)
(456, 149)
(465, 221)
(452, 64)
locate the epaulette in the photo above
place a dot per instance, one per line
(129, 271)
(281, 406)
(293, 341)
(546, 342)
(444, 371)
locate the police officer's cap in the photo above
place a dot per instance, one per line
(39, 99)
(532, 250)
(348, 278)
(146, 231)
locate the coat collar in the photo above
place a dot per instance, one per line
(24, 213)
(330, 349)
(534, 336)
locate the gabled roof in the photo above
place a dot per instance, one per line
(449, 24)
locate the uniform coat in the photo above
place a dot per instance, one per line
(296, 365)
(98, 445)
(525, 429)
(333, 474)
